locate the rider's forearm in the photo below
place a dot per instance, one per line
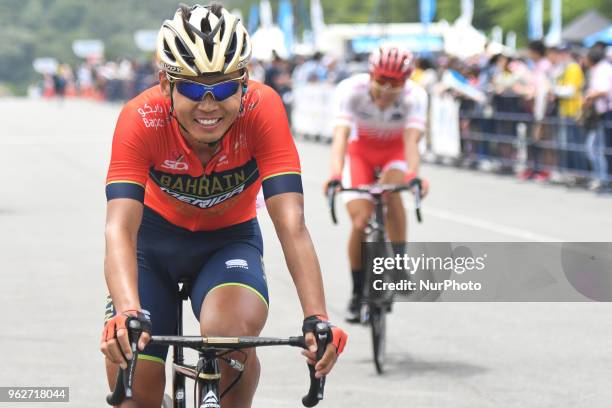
(304, 268)
(287, 213)
(120, 268)
(338, 149)
(411, 149)
(414, 161)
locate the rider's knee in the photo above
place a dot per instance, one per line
(149, 383)
(360, 219)
(394, 203)
(230, 326)
(360, 222)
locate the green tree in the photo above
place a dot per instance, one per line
(47, 28)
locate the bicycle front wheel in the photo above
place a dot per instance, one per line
(378, 324)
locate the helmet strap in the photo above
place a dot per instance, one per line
(172, 98)
(172, 108)
(245, 87)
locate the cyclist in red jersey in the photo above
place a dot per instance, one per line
(188, 159)
(380, 119)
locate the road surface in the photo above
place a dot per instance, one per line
(53, 159)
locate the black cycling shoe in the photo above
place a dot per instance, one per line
(354, 309)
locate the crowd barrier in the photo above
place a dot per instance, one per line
(514, 141)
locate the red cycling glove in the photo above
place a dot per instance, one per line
(119, 321)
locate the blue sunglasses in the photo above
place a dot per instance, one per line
(197, 91)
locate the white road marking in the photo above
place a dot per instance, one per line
(519, 233)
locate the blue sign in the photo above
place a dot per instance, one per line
(253, 18)
(535, 11)
(285, 22)
(411, 42)
(427, 10)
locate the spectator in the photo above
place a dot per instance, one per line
(257, 72)
(277, 76)
(59, 82)
(425, 74)
(537, 97)
(312, 70)
(334, 71)
(273, 71)
(567, 89)
(508, 85)
(85, 79)
(598, 99)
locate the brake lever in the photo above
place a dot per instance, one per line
(331, 196)
(125, 378)
(317, 385)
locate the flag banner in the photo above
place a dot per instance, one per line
(535, 11)
(253, 18)
(556, 23)
(285, 22)
(427, 10)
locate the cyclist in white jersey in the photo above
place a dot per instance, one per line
(379, 120)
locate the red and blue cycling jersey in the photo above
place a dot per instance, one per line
(153, 163)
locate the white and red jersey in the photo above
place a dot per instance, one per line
(375, 127)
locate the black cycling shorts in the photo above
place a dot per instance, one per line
(210, 259)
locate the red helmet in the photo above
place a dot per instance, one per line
(392, 63)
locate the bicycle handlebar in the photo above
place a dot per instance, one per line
(378, 190)
(125, 377)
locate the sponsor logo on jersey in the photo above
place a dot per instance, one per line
(236, 263)
(206, 191)
(222, 160)
(175, 165)
(203, 203)
(153, 116)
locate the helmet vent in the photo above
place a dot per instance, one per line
(168, 52)
(184, 53)
(231, 50)
(244, 41)
(206, 29)
(185, 15)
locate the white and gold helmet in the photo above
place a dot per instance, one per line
(203, 40)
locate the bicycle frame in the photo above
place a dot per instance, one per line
(375, 230)
(207, 373)
(375, 305)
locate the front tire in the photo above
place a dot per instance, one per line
(378, 323)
